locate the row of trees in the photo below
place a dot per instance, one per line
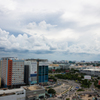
(52, 77)
(57, 70)
(70, 76)
(78, 77)
(96, 83)
(86, 83)
(63, 70)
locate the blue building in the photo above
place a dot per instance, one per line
(43, 74)
(38, 71)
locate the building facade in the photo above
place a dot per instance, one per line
(54, 66)
(0, 67)
(93, 72)
(0, 82)
(31, 73)
(43, 72)
(17, 72)
(13, 94)
(0, 71)
(34, 92)
(12, 71)
(26, 74)
(38, 71)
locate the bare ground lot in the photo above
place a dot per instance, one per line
(61, 88)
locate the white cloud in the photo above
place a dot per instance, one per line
(22, 42)
(60, 25)
(40, 42)
(8, 4)
(50, 31)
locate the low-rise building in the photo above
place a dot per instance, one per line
(64, 66)
(13, 94)
(93, 71)
(34, 92)
(54, 66)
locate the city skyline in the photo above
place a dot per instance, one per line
(54, 30)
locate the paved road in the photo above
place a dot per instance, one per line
(70, 94)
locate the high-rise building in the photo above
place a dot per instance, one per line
(12, 71)
(0, 71)
(26, 74)
(31, 73)
(38, 70)
(43, 72)
(0, 67)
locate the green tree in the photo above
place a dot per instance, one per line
(86, 83)
(52, 77)
(52, 91)
(67, 99)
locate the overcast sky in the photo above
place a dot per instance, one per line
(50, 29)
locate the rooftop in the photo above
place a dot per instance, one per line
(10, 92)
(36, 60)
(33, 87)
(97, 69)
(9, 57)
(53, 65)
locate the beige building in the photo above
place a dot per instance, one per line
(54, 66)
(34, 92)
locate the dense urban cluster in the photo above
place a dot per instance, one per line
(40, 79)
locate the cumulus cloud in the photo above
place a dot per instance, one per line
(39, 43)
(43, 26)
(22, 42)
